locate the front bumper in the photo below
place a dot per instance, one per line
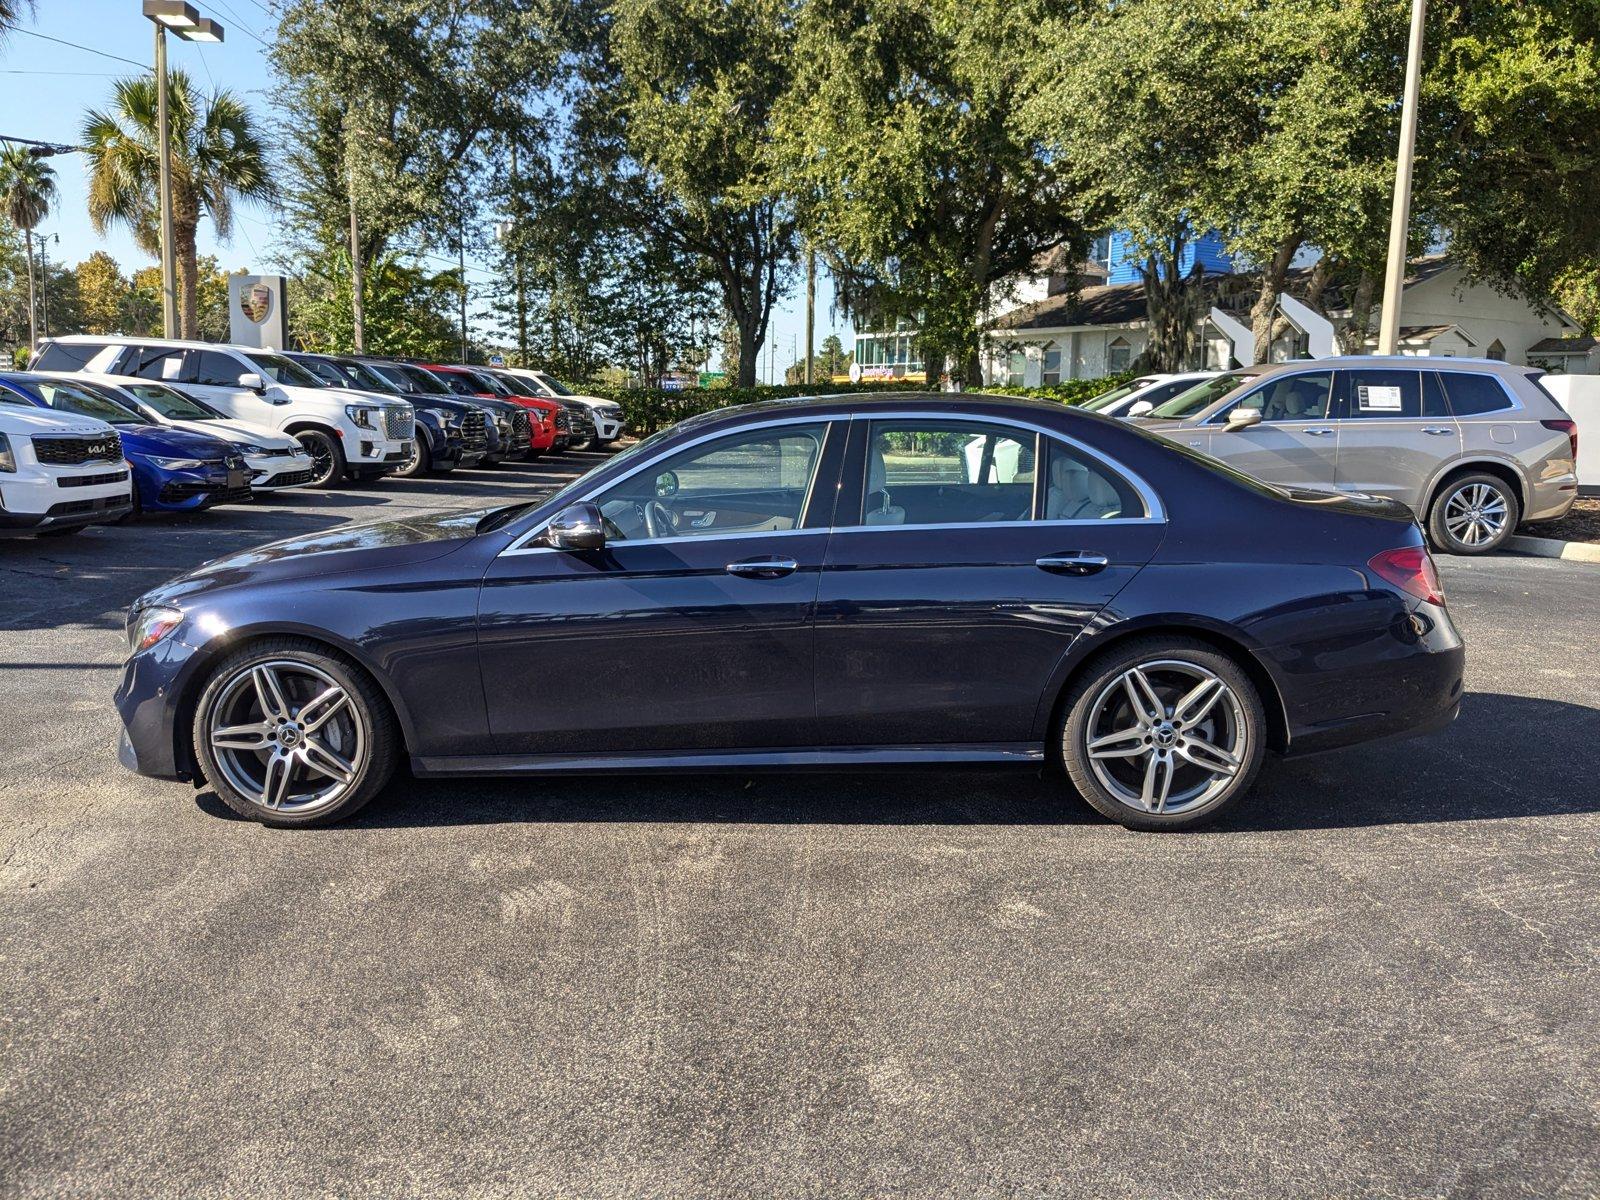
(64, 514)
(180, 491)
(607, 426)
(147, 700)
(36, 498)
(268, 472)
(371, 454)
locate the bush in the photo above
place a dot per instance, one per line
(649, 409)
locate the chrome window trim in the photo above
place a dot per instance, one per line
(1155, 511)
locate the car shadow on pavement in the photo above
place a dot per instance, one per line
(1505, 757)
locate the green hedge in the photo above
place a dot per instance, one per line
(649, 409)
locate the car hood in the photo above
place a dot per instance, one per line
(170, 441)
(241, 431)
(326, 556)
(16, 419)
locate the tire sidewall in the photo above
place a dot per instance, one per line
(1445, 541)
(1072, 730)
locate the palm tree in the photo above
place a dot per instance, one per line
(218, 158)
(28, 188)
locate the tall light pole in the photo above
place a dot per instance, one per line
(1394, 276)
(188, 24)
(811, 311)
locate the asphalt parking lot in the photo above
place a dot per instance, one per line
(1381, 976)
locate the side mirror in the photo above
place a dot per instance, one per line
(1243, 418)
(253, 381)
(577, 527)
(666, 484)
(1140, 407)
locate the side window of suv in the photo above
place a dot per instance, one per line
(1382, 395)
(1471, 395)
(1302, 397)
(150, 362)
(67, 356)
(217, 370)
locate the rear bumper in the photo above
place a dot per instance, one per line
(1405, 681)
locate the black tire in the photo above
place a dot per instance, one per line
(420, 462)
(376, 742)
(327, 458)
(1459, 499)
(1093, 698)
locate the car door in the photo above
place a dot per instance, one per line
(1295, 442)
(959, 574)
(1394, 431)
(693, 628)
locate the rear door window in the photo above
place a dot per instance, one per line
(1471, 395)
(923, 472)
(150, 362)
(1387, 396)
(217, 370)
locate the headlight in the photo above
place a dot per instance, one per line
(249, 448)
(362, 414)
(177, 464)
(148, 626)
(8, 460)
(442, 415)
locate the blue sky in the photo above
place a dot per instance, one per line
(45, 88)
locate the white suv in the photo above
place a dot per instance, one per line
(346, 432)
(58, 473)
(607, 414)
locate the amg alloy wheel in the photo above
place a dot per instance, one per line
(1473, 515)
(1163, 734)
(289, 735)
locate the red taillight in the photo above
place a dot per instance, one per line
(1409, 568)
(1567, 426)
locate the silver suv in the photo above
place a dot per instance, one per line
(1474, 447)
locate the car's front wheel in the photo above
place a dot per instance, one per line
(327, 458)
(1473, 515)
(289, 734)
(1163, 733)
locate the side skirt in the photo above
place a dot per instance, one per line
(833, 758)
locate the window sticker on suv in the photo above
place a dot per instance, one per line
(1374, 398)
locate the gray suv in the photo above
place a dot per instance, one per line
(1474, 447)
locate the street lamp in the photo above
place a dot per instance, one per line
(187, 23)
(1394, 276)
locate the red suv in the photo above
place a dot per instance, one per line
(542, 413)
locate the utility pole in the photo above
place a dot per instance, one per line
(811, 311)
(169, 270)
(461, 247)
(1394, 277)
(44, 278)
(516, 260)
(358, 309)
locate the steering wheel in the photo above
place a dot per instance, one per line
(658, 522)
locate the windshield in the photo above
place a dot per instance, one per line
(75, 398)
(171, 403)
(1107, 399)
(425, 382)
(1202, 396)
(365, 377)
(488, 383)
(550, 382)
(282, 370)
(520, 387)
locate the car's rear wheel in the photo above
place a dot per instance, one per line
(1163, 733)
(1473, 514)
(327, 458)
(289, 734)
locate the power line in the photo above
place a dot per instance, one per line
(79, 74)
(85, 49)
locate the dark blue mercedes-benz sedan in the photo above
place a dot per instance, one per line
(841, 582)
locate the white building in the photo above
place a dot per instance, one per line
(1103, 329)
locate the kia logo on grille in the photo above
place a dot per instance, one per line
(100, 449)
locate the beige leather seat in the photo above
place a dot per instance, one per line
(1077, 493)
(879, 511)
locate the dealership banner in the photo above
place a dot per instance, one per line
(256, 312)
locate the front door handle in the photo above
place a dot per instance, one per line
(1437, 432)
(1320, 432)
(1072, 563)
(763, 568)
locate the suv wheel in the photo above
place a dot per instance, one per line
(327, 458)
(420, 462)
(289, 734)
(1163, 733)
(1473, 514)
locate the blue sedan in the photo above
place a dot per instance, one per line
(835, 583)
(174, 470)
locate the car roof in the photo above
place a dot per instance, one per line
(1392, 362)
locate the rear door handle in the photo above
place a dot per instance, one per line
(1072, 563)
(763, 568)
(1437, 432)
(1320, 432)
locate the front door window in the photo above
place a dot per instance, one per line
(750, 482)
